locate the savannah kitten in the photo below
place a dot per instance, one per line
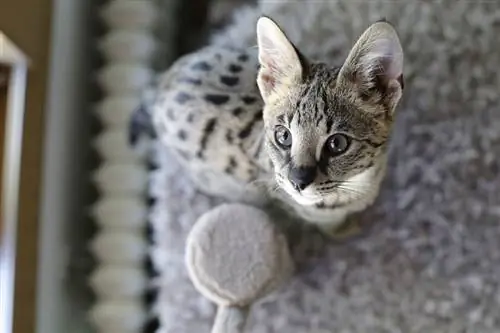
(315, 135)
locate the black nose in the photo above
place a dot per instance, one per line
(301, 177)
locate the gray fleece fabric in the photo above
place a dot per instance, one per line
(429, 258)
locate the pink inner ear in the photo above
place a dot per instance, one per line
(267, 62)
(268, 80)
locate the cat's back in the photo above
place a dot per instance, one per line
(209, 113)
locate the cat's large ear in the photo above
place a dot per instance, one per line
(374, 66)
(280, 63)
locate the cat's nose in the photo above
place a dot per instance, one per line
(301, 177)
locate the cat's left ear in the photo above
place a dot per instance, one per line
(280, 63)
(375, 64)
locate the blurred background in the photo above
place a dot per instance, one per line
(45, 236)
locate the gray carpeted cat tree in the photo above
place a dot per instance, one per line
(429, 262)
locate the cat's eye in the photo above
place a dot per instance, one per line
(283, 137)
(337, 144)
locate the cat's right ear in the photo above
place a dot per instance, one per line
(280, 63)
(374, 66)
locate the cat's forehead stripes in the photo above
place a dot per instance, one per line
(319, 106)
(312, 98)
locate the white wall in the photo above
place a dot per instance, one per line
(64, 166)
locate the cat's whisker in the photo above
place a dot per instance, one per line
(275, 188)
(356, 192)
(360, 185)
(349, 189)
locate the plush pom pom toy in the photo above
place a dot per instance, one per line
(235, 255)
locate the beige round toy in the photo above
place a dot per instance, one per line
(235, 255)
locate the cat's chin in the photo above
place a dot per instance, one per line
(306, 201)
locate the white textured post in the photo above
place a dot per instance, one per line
(119, 280)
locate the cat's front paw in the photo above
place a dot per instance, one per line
(349, 228)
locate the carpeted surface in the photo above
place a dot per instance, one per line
(429, 260)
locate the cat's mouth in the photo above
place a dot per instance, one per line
(307, 197)
(362, 188)
(314, 196)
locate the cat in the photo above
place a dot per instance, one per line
(276, 124)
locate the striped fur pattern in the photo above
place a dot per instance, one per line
(222, 125)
